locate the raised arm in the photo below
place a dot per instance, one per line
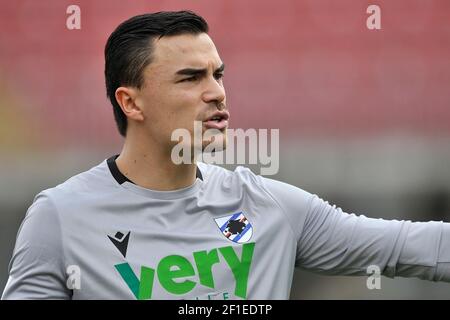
(331, 241)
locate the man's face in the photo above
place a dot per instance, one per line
(183, 84)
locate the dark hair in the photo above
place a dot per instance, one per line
(129, 48)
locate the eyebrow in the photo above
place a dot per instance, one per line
(198, 72)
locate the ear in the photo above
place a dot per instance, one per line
(126, 97)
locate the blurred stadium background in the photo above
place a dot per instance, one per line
(364, 116)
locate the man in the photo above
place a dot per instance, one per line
(139, 226)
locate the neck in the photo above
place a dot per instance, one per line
(150, 166)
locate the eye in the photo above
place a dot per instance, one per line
(190, 79)
(218, 76)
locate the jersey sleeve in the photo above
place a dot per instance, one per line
(36, 269)
(331, 241)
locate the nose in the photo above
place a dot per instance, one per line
(215, 93)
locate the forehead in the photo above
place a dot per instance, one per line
(173, 53)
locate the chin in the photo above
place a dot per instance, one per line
(218, 143)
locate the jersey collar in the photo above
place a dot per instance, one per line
(120, 178)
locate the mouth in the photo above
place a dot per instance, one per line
(218, 120)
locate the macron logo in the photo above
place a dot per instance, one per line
(121, 242)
